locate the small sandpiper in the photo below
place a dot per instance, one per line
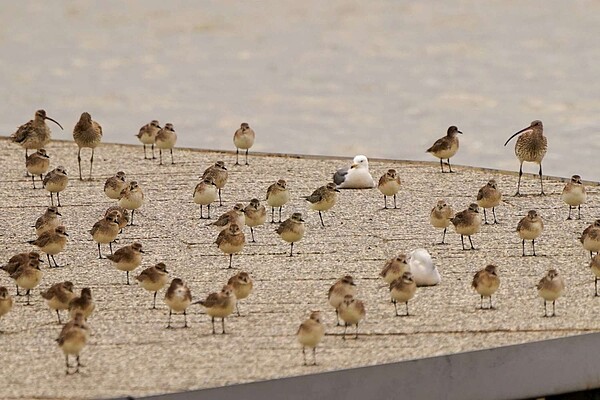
(551, 288)
(574, 195)
(132, 198)
(233, 216)
(590, 238)
(440, 217)
(34, 134)
(389, 185)
(531, 146)
(58, 297)
(394, 268)
(56, 181)
(310, 333)
(84, 304)
(489, 197)
(219, 174)
(255, 215)
(205, 193)
(165, 140)
(123, 215)
(37, 163)
(178, 298)
(243, 139)
(486, 282)
(242, 286)
(28, 276)
(342, 287)
(6, 302)
(105, 231)
(18, 260)
(322, 199)
(87, 133)
(231, 241)
(446, 147)
(127, 258)
(153, 279)
(402, 290)
(277, 196)
(47, 221)
(52, 243)
(530, 227)
(147, 135)
(115, 185)
(219, 305)
(467, 223)
(72, 340)
(292, 230)
(351, 311)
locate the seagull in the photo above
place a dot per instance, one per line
(355, 177)
(421, 265)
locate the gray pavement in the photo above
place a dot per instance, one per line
(131, 353)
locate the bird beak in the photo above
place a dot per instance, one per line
(521, 131)
(55, 123)
(459, 132)
(59, 214)
(66, 234)
(337, 190)
(142, 251)
(353, 166)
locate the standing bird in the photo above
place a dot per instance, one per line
(147, 135)
(351, 311)
(105, 231)
(34, 134)
(178, 298)
(122, 215)
(255, 215)
(440, 217)
(153, 279)
(231, 241)
(58, 297)
(590, 238)
(18, 260)
(205, 193)
(531, 147)
(322, 199)
(165, 140)
(402, 290)
(47, 221)
(243, 139)
(6, 302)
(467, 223)
(489, 197)
(394, 268)
(72, 340)
(277, 196)
(595, 267)
(52, 243)
(310, 333)
(530, 227)
(486, 282)
(446, 147)
(87, 133)
(342, 287)
(37, 164)
(574, 195)
(84, 304)
(219, 174)
(127, 258)
(28, 276)
(292, 230)
(219, 305)
(242, 287)
(115, 185)
(389, 185)
(355, 177)
(233, 216)
(56, 181)
(132, 198)
(551, 288)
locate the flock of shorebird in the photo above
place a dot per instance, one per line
(402, 273)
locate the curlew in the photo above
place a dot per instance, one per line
(531, 147)
(87, 133)
(34, 134)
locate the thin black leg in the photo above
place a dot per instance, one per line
(153, 156)
(237, 156)
(322, 223)
(154, 301)
(247, 157)
(541, 182)
(533, 246)
(519, 183)
(485, 217)
(79, 163)
(145, 157)
(449, 166)
(172, 160)
(91, 164)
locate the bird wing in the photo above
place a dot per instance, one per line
(340, 175)
(439, 145)
(21, 134)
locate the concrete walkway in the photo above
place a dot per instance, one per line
(131, 353)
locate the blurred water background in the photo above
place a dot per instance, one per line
(381, 78)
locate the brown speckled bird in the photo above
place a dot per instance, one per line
(531, 147)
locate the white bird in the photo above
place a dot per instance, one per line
(355, 177)
(424, 272)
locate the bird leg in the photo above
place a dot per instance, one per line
(79, 163)
(169, 323)
(237, 154)
(51, 198)
(172, 161)
(272, 215)
(449, 166)
(385, 201)
(485, 217)
(395, 202)
(292, 249)
(153, 156)
(237, 308)
(569, 217)
(533, 247)
(110, 247)
(131, 223)
(322, 223)
(442, 165)
(471, 241)
(596, 287)
(58, 199)
(523, 247)
(314, 356)
(58, 315)
(91, 164)
(519, 183)
(33, 180)
(154, 301)
(247, 157)
(345, 327)
(252, 232)
(185, 325)
(553, 308)
(395, 307)
(406, 303)
(160, 154)
(541, 182)
(223, 324)
(213, 324)
(280, 207)
(579, 212)
(99, 252)
(462, 241)
(220, 201)
(545, 309)
(145, 157)
(494, 213)
(304, 354)
(127, 273)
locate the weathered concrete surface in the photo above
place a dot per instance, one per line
(131, 352)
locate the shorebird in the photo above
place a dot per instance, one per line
(205, 193)
(590, 238)
(243, 139)
(105, 231)
(127, 258)
(153, 279)
(351, 311)
(255, 214)
(87, 133)
(446, 147)
(489, 197)
(115, 185)
(165, 140)
(147, 135)
(72, 340)
(531, 147)
(551, 288)
(178, 298)
(47, 221)
(58, 297)
(467, 223)
(310, 333)
(422, 268)
(233, 216)
(595, 267)
(574, 195)
(122, 218)
(28, 276)
(486, 282)
(402, 290)
(440, 217)
(6, 302)
(19, 260)
(219, 305)
(132, 198)
(242, 287)
(37, 163)
(219, 174)
(355, 177)
(231, 241)
(322, 199)
(83, 304)
(389, 185)
(56, 181)
(34, 134)
(277, 196)
(342, 287)
(52, 243)
(292, 230)
(394, 268)
(530, 227)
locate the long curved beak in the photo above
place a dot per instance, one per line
(55, 123)
(521, 131)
